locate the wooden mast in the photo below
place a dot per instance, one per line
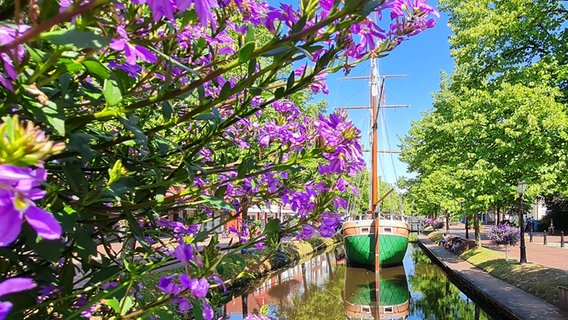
(374, 155)
(374, 141)
(375, 85)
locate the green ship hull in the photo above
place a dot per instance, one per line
(360, 249)
(360, 287)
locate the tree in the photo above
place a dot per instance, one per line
(500, 117)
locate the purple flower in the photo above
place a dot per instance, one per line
(197, 287)
(183, 304)
(306, 232)
(339, 203)
(161, 8)
(168, 286)
(207, 311)
(368, 30)
(186, 253)
(46, 291)
(10, 286)
(326, 231)
(18, 188)
(131, 52)
(331, 220)
(204, 12)
(9, 74)
(504, 234)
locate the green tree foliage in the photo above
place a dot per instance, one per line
(501, 116)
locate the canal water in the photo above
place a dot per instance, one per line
(325, 288)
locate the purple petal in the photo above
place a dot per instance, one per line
(207, 311)
(185, 281)
(5, 308)
(14, 285)
(199, 288)
(12, 173)
(130, 54)
(43, 222)
(10, 222)
(145, 54)
(168, 286)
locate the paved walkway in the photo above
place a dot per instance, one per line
(510, 302)
(551, 254)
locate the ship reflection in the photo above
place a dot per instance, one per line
(360, 294)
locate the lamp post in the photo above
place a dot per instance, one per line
(521, 187)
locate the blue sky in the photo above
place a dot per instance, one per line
(421, 59)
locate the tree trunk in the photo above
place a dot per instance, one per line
(447, 223)
(476, 227)
(498, 216)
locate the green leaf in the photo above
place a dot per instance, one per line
(216, 202)
(127, 303)
(245, 54)
(369, 7)
(252, 67)
(225, 91)
(290, 82)
(123, 186)
(133, 127)
(78, 39)
(277, 51)
(85, 245)
(299, 26)
(220, 192)
(67, 275)
(55, 117)
(111, 93)
(279, 93)
(50, 113)
(97, 69)
(272, 226)
(67, 217)
(205, 116)
(36, 55)
(114, 304)
(80, 142)
(197, 309)
(49, 8)
(249, 37)
(245, 167)
(50, 250)
(167, 110)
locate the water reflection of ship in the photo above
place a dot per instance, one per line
(360, 294)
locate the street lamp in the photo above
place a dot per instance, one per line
(521, 188)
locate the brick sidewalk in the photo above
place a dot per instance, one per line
(552, 254)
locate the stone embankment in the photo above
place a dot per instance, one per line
(504, 301)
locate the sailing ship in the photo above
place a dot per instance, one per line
(369, 239)
(362, 287)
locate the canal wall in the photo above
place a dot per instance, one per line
(499, 299)
(292, 253)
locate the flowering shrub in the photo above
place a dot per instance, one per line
(504, 234)
(117, 115)
(434, 223)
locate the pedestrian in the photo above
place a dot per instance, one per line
(528, 225)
